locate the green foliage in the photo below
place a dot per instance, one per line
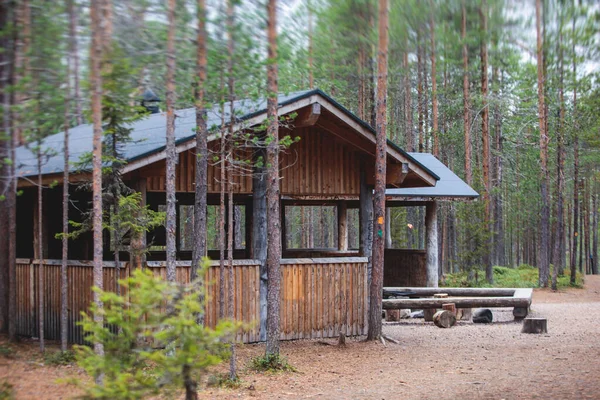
(59, 357)
(223, 381)
(271, 363)
(150, 337)
(524, 276)
(7, 352)
(6, 391)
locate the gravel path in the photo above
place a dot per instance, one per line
(468, 361)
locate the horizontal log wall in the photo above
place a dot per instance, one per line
(404, 268)
(320, 297)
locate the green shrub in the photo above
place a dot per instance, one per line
(223, 381)
(152, 341)
(59, 357)
(271, 363)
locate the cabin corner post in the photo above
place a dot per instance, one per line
(259, 236)
(138, 242)
(431, 232)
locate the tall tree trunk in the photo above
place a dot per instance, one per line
(420, 102)
(434, 103)
(465, 54)
(544, 262)
(410, 136)
(171, 154)
(273, 212)
(97, 26)
(230, 181)
(573, 261)
(311, 79)
(595, 228)
(500, 250)
(40, 247)
(74, 57)
(65, 198)
(201, 189)
(5, 154)
(485, 135)
(376, 288)
(222, 216)
(560, 164)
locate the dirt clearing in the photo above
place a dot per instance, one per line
(468, 361)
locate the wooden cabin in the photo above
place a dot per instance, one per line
(324, 286)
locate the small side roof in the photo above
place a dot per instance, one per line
(449, 186)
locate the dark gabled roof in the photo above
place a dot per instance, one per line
(449, 186)
(148, 134)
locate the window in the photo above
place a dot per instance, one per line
(186, 227)
(311, 227)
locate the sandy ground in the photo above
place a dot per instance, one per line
(468, 361)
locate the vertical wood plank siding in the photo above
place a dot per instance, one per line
(403, 267)
(317, 164)
(320, 297)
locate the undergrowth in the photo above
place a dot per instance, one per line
(524, 276)
(6, 352)
(6, 391)
(223, 381)
(271, 363)
(59, 358)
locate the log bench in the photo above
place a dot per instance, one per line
(519, 299)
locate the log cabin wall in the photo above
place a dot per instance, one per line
(316, 165)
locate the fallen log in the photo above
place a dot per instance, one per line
(483, 316)
(460, 302)
(461, 292)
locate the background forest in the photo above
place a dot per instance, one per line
(463, 84)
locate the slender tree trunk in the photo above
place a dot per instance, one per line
(5, 154)
(40, 248)
(230, 182)
(311, 80)
(485, 134)
(201, 189)
(222, 216)
(74, 57)
(595, 228)
(500, 249)
(171, 154)
(544, 262)
(376, 288)
(97, 26)
(273, 212)
(434, 102)
(420, 103)
(560, 165)
(465, 54)
(573, 261)
(410, 136)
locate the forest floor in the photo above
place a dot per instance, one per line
(468, 361)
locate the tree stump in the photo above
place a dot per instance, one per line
(520, 312)
(463, 314)
(444, 319)
(483, 316)
(535, 325)
(392, 315)
(450, 307)
(428, 314)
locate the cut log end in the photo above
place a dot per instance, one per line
(535, 325)
(444, 319)
(520, 312)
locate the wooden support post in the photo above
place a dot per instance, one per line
(449, 307)
(259, 236)
(342, 226)
(431, 232)
(138, 242)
